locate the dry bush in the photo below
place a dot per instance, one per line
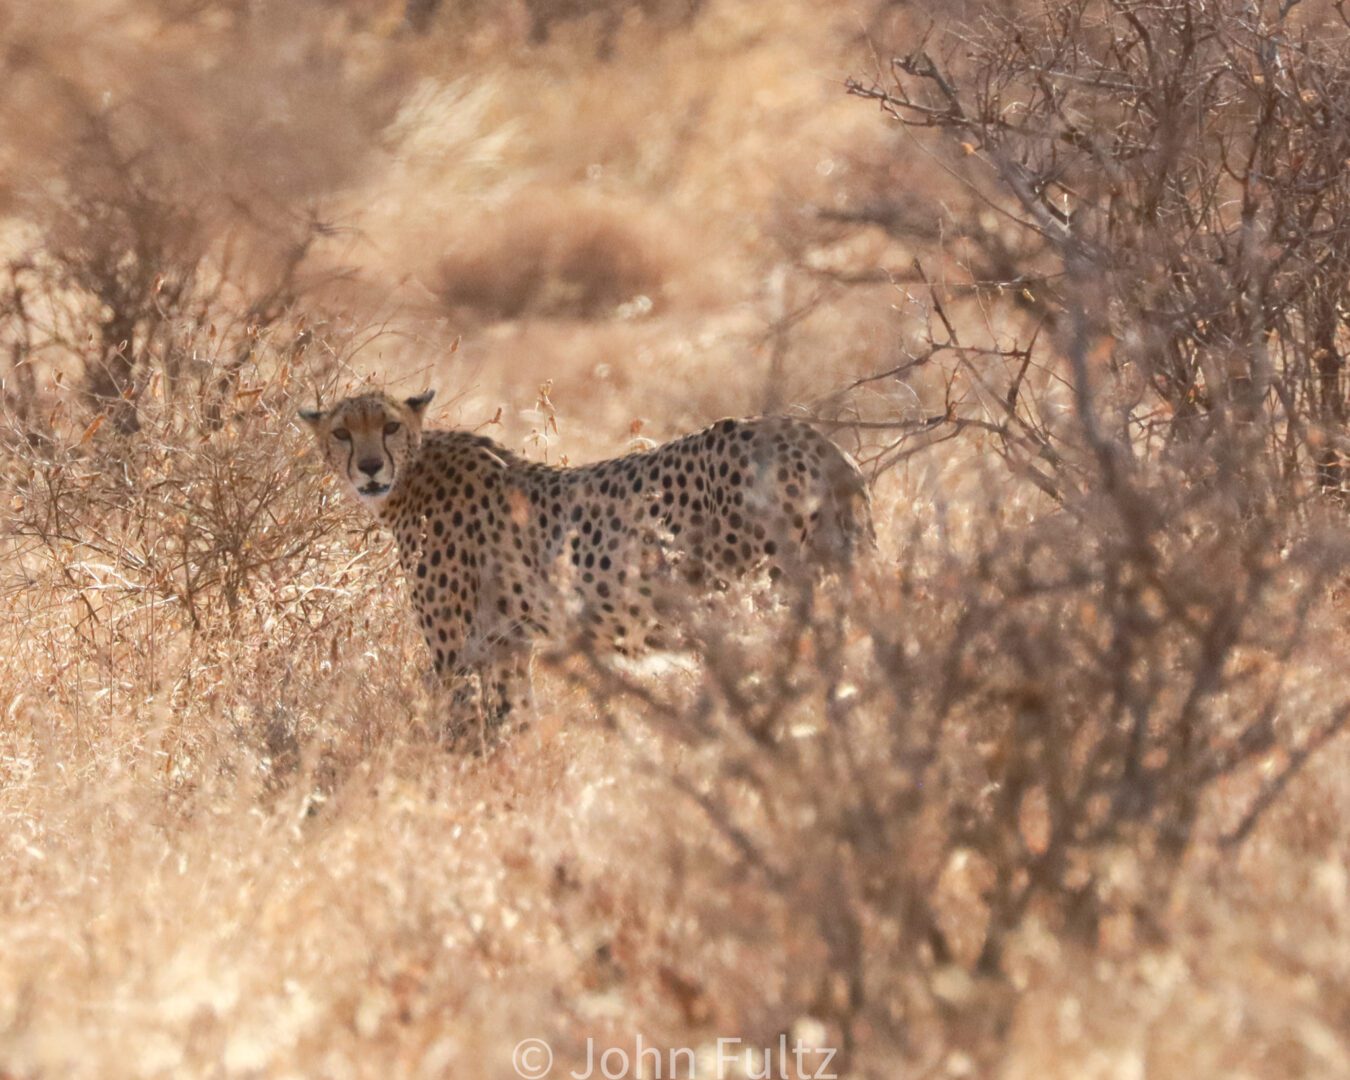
(195, 530)
(1175, 175)
(202, 489)
(1032, 742)
(545, 14)
(1030, 734)
(1043, 731)
(550, 255)
(170, 192)
(603, 19)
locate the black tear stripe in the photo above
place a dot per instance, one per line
(384, 445)
(351, 453)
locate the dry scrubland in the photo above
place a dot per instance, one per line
(1066, 793)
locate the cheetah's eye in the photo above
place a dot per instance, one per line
(392, 427)
(342, 434)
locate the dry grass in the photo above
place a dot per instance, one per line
(234, 843)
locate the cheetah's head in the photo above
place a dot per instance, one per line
(369, 439)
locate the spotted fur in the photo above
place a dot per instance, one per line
(502, 553)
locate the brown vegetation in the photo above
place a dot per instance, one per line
(541, 255)
(1058, 787)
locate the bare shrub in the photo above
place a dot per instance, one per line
(135, 561)
(606, 17)
(1180, 170)
(1030, 732)
(544, 14)
(1039, 730)
(553, 255)
(144, 225)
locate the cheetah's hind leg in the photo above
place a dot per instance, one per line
(508, 690)
(489, 701)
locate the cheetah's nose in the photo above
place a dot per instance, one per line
(370, 466)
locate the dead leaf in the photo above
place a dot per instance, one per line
(93, 427)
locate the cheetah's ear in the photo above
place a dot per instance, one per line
(311, 416)
(419, 403)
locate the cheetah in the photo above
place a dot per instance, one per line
(502, 553)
